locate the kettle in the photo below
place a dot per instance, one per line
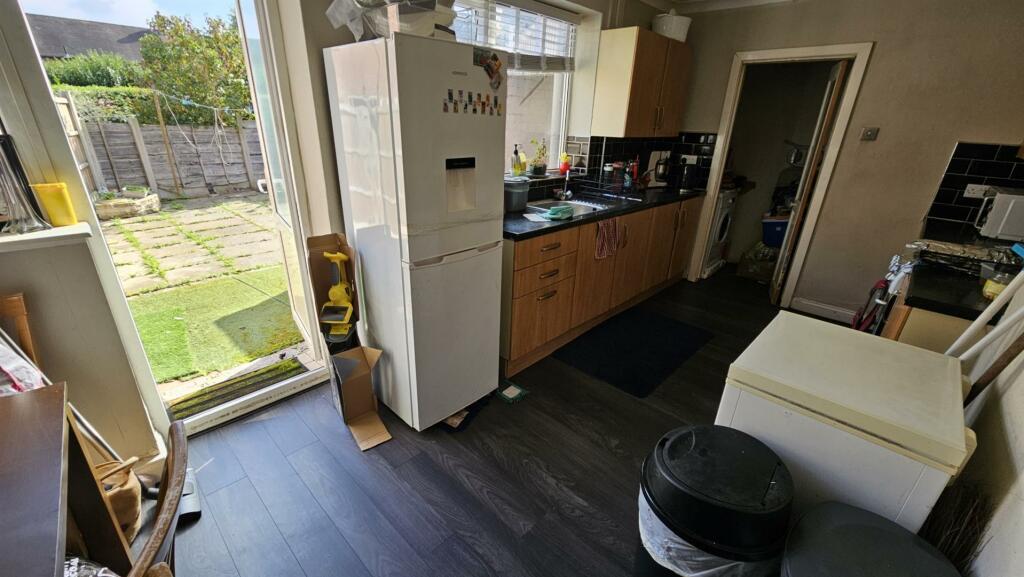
(688, 180)
(661, 170)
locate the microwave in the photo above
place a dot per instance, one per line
(1005, 217)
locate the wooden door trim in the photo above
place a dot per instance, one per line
(860, 54)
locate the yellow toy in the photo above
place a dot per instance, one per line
(337, 311)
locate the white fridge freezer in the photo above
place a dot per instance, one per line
(856, 418)
(419, 132)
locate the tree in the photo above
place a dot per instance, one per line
(200, 66)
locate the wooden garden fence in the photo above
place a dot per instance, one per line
(174, 160)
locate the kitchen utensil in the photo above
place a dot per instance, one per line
(21, 217)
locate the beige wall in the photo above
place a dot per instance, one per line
(941, 71)
(778, 102)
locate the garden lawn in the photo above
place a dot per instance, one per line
(215, 325)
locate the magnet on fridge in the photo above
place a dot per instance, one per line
(465, 107)
(450, 96)
(460, 96)
(492, 111)
(445, 105)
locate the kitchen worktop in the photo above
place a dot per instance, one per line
(518, 227)
(947, 291)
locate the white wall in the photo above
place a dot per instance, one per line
(941, 71)
(778, 102)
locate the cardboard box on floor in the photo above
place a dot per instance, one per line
(351, 370)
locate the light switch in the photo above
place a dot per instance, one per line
(869, 133)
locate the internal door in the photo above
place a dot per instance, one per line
(816, 154)
(278, 184)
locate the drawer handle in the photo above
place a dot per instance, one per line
(547, 295)
(551, 246)
(549, 274)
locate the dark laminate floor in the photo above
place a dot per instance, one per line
(544, 487)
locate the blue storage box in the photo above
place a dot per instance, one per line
(774, 230)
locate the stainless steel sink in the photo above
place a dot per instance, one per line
(579, 206)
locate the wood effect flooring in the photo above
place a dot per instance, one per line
(544, 487)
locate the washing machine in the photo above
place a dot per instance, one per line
(720, 227)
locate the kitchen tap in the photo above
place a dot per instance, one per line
(566, 192)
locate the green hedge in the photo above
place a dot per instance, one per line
(112, 103)
(94, 69)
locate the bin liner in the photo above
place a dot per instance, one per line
(676, 554)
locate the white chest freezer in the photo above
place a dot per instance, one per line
(857, 418)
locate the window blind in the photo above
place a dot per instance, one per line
(534, 41)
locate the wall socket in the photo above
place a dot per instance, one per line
(976, 190)
(869, 133)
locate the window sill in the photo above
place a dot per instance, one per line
(56, 236)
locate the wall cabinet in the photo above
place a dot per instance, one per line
(641, 85)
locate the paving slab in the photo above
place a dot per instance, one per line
(270, 246)
(132, 270)
(185, 247)
(249, 238)
(140, 284)
(186, 260)
(196, 272)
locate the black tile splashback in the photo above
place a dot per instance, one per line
(951, 216)
(609, 149)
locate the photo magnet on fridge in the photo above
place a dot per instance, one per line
(491, 64)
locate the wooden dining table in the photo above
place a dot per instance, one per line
(46, 479)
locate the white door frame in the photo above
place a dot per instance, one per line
(46, 154)
(859, 53)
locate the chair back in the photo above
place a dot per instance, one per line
(157, 549)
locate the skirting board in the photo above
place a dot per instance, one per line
(820, 309)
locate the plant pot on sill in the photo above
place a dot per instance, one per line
(538, 170)
(127, 207)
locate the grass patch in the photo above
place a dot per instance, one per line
(215, 325)
(151, 262)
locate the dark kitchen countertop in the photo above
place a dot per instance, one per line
(948, 291)
(517, 227)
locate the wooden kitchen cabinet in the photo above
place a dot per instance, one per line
(664, 221)
(641, 84)
(631, 259)
(686, 234)
(674, 87)
(540, 316)
(546, 247)
(593, 290)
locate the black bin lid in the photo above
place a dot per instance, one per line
(838, 540)
(720, 489)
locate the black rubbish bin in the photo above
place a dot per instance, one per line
(713, 502)
(838, 540)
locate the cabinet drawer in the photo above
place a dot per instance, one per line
(540, 316)
(543, 248)
(544, 274)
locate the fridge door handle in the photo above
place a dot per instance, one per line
(456, 256)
